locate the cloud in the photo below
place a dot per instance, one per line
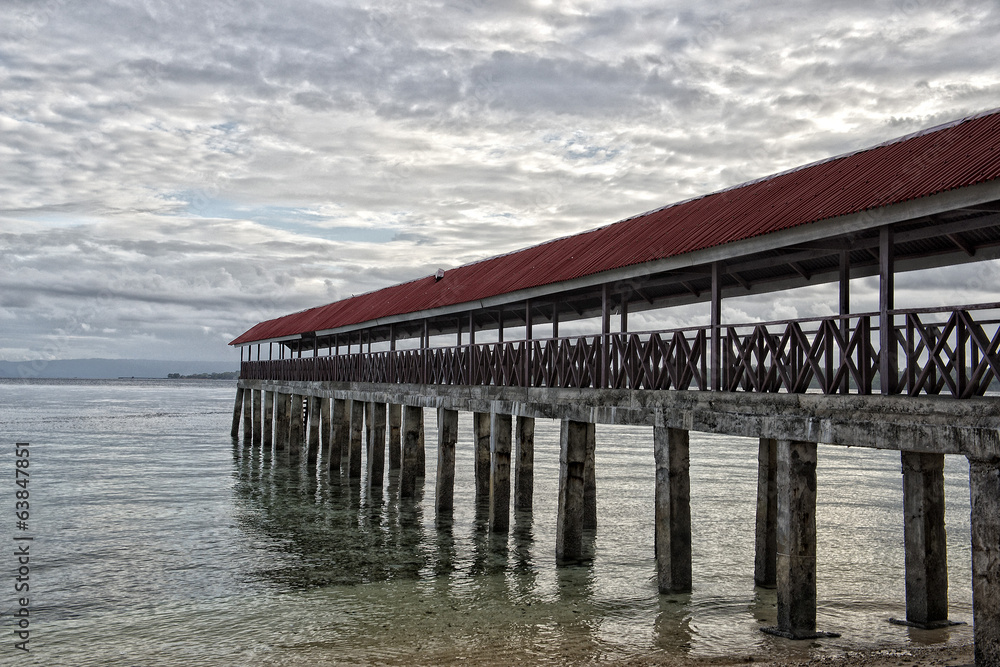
(176, 171)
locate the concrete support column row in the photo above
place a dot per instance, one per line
(395, 418)
(312, 446)
(572, 461)
(296, 431)
(354, 444)
(524, 464)
(282, 421)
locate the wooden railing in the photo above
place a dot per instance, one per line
(937, 351)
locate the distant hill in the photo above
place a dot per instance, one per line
(102, 369)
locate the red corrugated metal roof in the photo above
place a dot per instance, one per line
(957, 155)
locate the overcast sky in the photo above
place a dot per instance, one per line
(174, 172)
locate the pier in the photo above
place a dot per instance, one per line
(486, 338)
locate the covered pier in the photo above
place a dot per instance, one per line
(490, 338)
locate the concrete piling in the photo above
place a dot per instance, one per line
(375, 468)
(444, 489)
(925, 539)
(282, 422)
(325, 425)
(258, 417)
(412, 437)
(312, 448)
(984, 491)
(672, 516)
(237, 410)
(248, 415)
(500, 436)
(354, 446)
(796, 539)
(394, 413)
(590, 480)
(766, 534)
(524, 463)
(268, 432)
(340, 436)
(572, 459)
(295, 431)
(481, 429)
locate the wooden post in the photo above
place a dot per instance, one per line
(527, 344)
(340, 440)
(444, 490)
(605, 337)
(925, 541)
(672, 522)
(413, 433)
(984, 490)
(555, 320)
(499, 472)
(248, 415)
(845, 310)
(590, 480)
(354, 446)
(766, 537)
(237, 409)
(312, 448)
(796, 551)
(716, 382)
(524, 465)
(268, 435)
(572, 459)
(888, 359)
(395, 415)
(376, 445)
(481, 427)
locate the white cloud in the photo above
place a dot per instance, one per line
(176, 171)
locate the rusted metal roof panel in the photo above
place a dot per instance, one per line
(957, 155)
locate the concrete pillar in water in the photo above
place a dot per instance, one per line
(412, 437)
(672, 518)
(796, 551)
(925, 539)
(248, 415)
(268, 434)
(354, 448)
(395, 415)
(237, 409)
(572, 460)
(500, 430)
(444, 490)
(281, 422)
(481, 429)
(325, 425)
(984, 491)
(312, 450)
(767, 514)
(590, 480)
(295, 430)
(524, 463)
(258, 417)
(340, 436)
(376, 445)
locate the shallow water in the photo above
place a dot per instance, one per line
(159, 542)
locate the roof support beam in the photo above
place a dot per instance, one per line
(716, 349)
(888, 362)
(738, 278)
(799, 270)
(969, 249)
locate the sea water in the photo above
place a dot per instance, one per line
(160, 541)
